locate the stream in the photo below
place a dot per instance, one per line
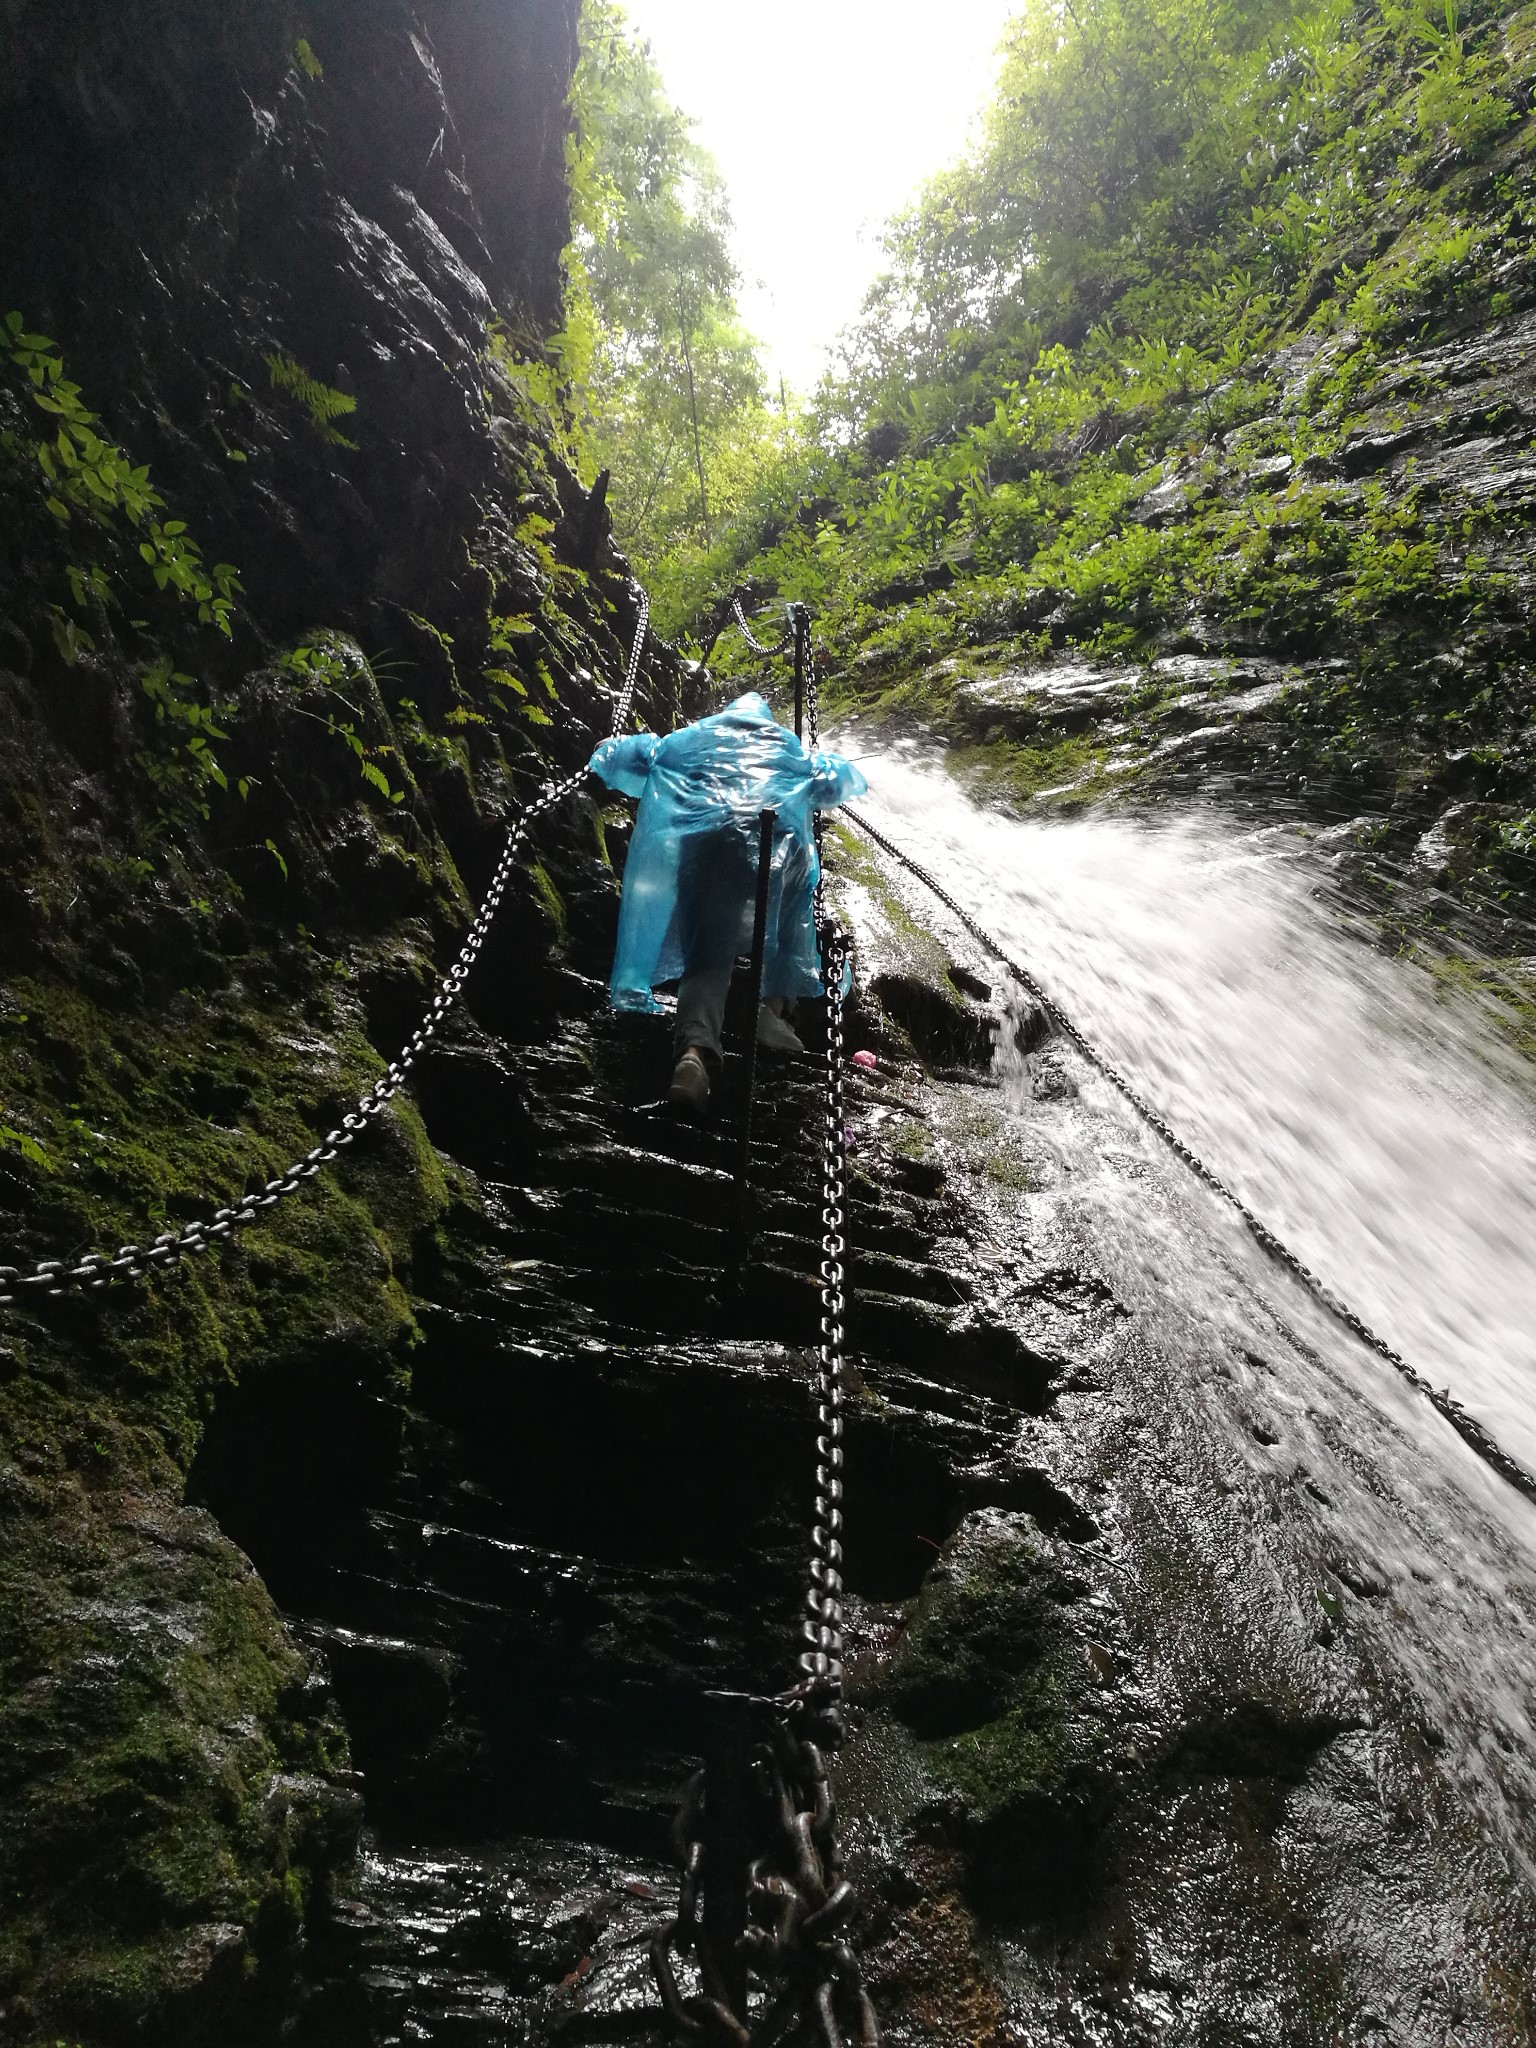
(1384, 1127)
(1381, 1124)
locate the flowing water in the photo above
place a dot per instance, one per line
(1376, 1116)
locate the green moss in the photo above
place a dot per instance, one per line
(911, 1139)
(1006, 1170)
(1503, 990)
(1074, 768)
(990, 1679)
(1025, 1756)
(549, 897)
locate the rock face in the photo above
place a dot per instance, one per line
(239, 822)
(360, 1585)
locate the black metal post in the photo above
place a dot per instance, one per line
(728, 1851)
(800, 619)
(765, 825)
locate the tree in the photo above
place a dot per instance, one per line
(668, 382)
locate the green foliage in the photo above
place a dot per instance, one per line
(1061, 419)
(327, 665)
(324, 405)
(12, 1140)
(88, 475)
(666, 382)
(182, 771)
(307, 61)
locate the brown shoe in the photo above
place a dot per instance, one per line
(689, 1092)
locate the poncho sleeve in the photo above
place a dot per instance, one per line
(624, 763)
(834, 781)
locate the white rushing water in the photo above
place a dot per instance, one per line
(1380, 1124)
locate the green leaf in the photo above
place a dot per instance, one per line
(18, 1141)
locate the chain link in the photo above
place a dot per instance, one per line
(632, 673)
(797, 1907)
(1465, 1425)
(812, 697)
(780, 646)
(798, 1903)
(821, 1659)
(135, 1261)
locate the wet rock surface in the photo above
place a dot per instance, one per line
(360, 1590)
(1149, 1731)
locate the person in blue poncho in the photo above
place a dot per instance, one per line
(691, 877)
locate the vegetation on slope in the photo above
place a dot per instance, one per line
(665, 383)
(1211, 346)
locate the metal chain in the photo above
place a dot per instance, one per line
(632, 673)
(794, 1953)
(812, 697)
(1465, 1425)
(134, 1261)
(785, 641)
(821, 1660)
(797, 1907)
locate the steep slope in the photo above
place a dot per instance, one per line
(289, 604)
(1210, 368)
(359, 1583)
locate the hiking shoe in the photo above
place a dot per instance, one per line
(773, 1032)
(689, 1092)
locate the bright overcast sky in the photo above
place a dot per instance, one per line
(824, 116)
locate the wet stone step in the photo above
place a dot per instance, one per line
(584, 1227)
(872, 1271)
(514, 1940)
(642, 1179)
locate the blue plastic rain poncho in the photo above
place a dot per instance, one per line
(690, 881)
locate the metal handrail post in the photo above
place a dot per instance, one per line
(765, 824)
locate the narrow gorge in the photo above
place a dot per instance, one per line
(363, 1583)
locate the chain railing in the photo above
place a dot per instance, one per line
(137, 1261)
(821, 1660)
(763, 1906)
(1466, 1426)
(780, 646)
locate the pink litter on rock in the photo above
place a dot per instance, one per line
(865, 1059)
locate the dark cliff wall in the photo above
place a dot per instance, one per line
(257, 252)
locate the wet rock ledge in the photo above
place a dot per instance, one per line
(358, 1588)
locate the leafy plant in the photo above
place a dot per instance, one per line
(183, 772)
(12, 1140)
(326, 666)
(89, 475)
(323, 404)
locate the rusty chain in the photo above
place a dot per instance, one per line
(1466, 1426)
(136, 1261)
(803, 1980)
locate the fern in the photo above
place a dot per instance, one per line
(323, 404)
